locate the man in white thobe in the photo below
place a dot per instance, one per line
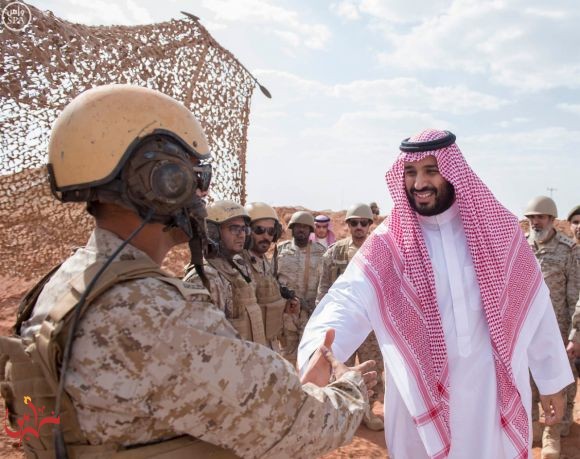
(459, 307)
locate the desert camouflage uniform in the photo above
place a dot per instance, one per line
(233, 292)
(268, 296)
(560, 266)
(575, 329)
(220, 288)
(334, 262)
(575, 332)
(291, 270)
(149, 365)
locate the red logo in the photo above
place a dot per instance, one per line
(30, 424)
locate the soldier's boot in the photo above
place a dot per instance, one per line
(551, 443)
(537, 432)
(372, 421)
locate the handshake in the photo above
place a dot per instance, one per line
(323, 367)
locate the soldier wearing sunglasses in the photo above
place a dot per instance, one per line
(227, 275)
(265, 231)
(359, 218)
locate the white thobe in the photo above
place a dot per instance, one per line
(351, 308)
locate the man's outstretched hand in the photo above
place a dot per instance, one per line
(323, 365)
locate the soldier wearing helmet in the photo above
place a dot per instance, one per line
(154, 368)
(555, 253)
(227, 275)
(265, 231)
(298, 270)
(359, 218)
(574, 220)
(573, 346)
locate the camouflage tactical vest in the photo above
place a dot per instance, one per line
(32, 368)
(340, 259)
(247, 315)
(271, 302)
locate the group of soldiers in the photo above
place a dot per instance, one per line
(269, 300)
(559, 258)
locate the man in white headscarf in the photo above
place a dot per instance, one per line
(460, 309)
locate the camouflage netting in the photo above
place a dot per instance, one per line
(51, 61)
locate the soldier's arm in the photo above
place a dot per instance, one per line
(324, 283)
(573, 281)
(243, 396)
(575, 332)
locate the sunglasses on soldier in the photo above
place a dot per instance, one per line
(354, 223)
(259, 230)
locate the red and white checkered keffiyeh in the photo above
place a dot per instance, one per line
(508, 278)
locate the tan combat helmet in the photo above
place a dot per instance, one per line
(541, 205)
(93, 136)
(303, 217)
(260, 211)
(223, 211)
(359, 210)
(574, 211)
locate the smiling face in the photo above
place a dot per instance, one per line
(428, 192)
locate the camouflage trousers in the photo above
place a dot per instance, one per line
(370, 350)
(293, 327)
(569, 392)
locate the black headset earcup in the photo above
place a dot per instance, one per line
(158, 176)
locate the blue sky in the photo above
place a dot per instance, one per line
(351, 78)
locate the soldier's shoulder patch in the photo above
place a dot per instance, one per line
(562, 238)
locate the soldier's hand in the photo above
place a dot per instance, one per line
(292, 306)
(553, 406)
(339, 369)
(319, 368)
(369, 375)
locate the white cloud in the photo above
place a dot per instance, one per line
(518, 120)
(346, 9)
(282, 22)
(395, 93)
(518, 43)
(98, 12)
(571, 108)
(400, 11)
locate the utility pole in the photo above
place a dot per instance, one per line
(551, 190)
